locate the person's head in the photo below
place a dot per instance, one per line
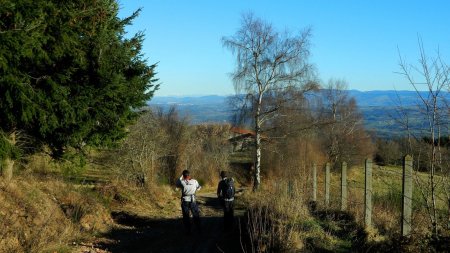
(186, 174)
(223, 174)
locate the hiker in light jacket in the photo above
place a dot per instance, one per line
(225, 193)
(189, 187)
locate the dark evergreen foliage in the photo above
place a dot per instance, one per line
(69, 76)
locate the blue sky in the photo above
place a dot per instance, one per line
(353, 40)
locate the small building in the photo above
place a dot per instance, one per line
(242, 152)
(241, 139)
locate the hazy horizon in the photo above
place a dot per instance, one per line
(231, 94)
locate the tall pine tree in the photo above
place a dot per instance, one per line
(68, 75)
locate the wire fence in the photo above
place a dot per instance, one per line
(388, 201)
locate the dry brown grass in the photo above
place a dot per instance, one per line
(386, 213)
(273, 217)
(41, 212)
(279, 221)
(31, 217)
(152, 201)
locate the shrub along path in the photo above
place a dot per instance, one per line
(147, 234)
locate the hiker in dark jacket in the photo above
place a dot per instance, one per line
(225, 193)
(189, 187)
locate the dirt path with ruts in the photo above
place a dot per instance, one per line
(145, 234)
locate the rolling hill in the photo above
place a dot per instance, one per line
(379, 108)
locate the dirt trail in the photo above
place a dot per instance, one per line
(144, 234)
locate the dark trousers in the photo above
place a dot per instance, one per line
(228, 214)
(192, 207)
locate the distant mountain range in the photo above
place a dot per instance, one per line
(387, 97)
(185, 101)
(201, 109)
(378, 108)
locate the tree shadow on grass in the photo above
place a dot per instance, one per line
(342, 225)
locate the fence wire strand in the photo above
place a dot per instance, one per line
(387, 193)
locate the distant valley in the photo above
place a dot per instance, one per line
(378, 108)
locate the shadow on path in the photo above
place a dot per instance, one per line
(211, 203)
(144, 234)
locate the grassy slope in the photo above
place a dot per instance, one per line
(42, 211)
(45, 214)
(45, 210)
(336, 231)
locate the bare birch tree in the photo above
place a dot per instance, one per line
(433, 75)
(267, 61)
(336, 97)
(343, 134)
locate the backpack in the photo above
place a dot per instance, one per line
(228, 191)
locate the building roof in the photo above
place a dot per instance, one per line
(242, 131)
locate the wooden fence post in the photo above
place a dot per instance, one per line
(368, 194)
(407, 190)
(327, 184)
(314, 172)
(344, 186)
